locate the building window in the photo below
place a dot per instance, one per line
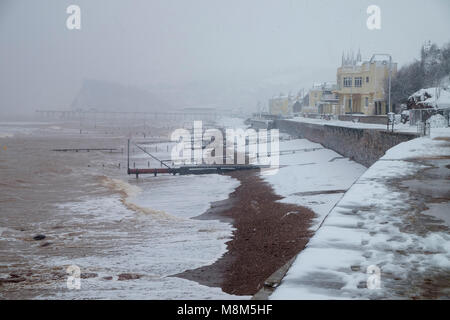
(347, 82)
(367, 79)
(358, 82)
(367, 102)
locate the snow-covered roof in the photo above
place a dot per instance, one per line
(324, 86)
(432, 97)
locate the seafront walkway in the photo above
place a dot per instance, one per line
(389, 235)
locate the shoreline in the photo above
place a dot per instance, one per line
(267, 235)
(114, 248)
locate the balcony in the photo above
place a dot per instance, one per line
(330, 98)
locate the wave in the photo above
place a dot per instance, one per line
(129, 192)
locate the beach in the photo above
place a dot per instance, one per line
(165, 237)
(268, 234)
(96, 217)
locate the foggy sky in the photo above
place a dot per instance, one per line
(223, 53)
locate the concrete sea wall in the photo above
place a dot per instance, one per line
(364, 146)
(365, 119)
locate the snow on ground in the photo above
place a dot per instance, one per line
(309, 175)
(421, 147)
(400, 127)
(382, 223)
(312, 176)
(230, 122)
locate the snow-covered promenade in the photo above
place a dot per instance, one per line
(392, 223)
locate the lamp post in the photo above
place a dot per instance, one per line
(390, 76)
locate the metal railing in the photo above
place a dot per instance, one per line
(422, 115)
(423, 129)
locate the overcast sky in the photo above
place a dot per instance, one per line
(168, 43)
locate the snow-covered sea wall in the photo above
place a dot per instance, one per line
(388, 237)
(362, 145)
(365, 119)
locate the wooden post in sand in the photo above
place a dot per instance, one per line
(128, 157)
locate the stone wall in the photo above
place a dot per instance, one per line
(365, 119)
(364, 146)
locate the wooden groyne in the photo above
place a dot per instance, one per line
(196, 169)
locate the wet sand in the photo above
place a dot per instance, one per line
(268, 234)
